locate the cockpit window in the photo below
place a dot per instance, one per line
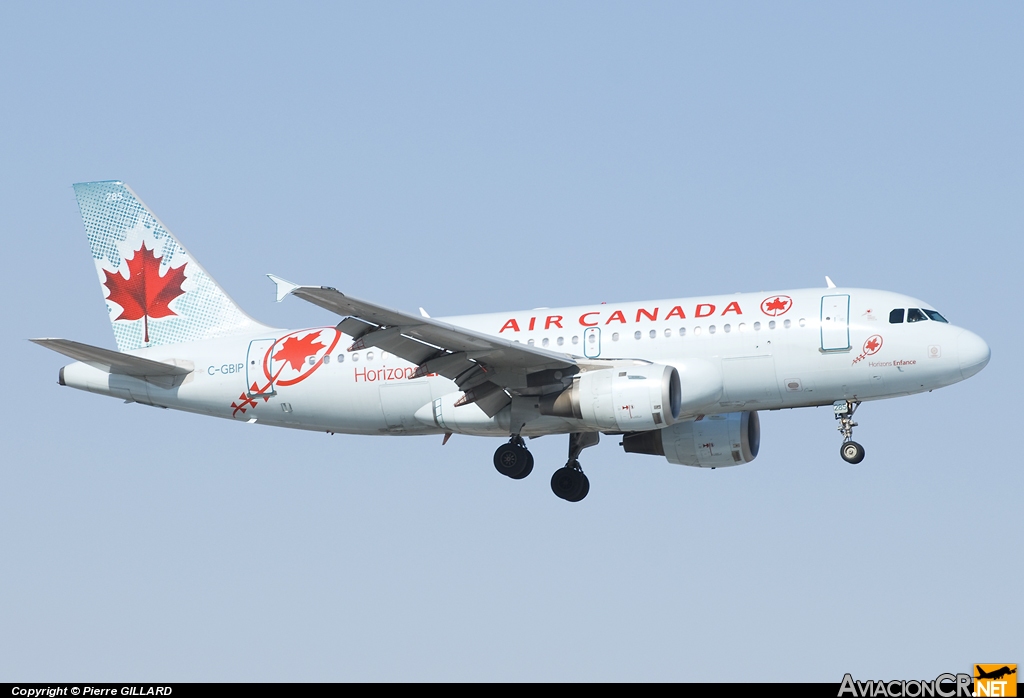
(896, 316)
(915, 315)
(935, 316)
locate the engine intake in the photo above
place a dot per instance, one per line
(620, 398)
(712, 442)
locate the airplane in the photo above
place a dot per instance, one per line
(995, 674)
(680, 378)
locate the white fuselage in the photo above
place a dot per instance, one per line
(763, 351)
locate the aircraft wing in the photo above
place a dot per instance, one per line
(485, 367)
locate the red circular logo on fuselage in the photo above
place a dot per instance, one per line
(872, 344)
(776, 305)
(288, 360)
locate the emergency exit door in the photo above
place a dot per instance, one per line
(592, 342)
(835, 323)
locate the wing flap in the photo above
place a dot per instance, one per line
(408, 349)
(354, 327)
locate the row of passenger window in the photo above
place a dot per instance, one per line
(354, 356)
(653, 334)
(914, 315)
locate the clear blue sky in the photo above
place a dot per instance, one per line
(478, 157)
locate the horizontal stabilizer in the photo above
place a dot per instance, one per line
(111, 361)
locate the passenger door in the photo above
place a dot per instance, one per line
(256, 382)
(835, 323)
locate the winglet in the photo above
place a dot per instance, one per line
(827, 281)
(283, 287)
(424, 313)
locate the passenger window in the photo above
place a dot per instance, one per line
(668, 333)
(615, 336)
(544, 342)
(636, 335)
(935, 316)
(561, 341)
(654, 334)
(915, 315)
(682, 331)
(896, 316)
(327, 359)
(341, 358)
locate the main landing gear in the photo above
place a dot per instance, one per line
(851, 451)
(568, 482)
(513, 460)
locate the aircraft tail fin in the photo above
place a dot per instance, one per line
(156, 293)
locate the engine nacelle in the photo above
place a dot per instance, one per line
(620, 398)
(713, 442)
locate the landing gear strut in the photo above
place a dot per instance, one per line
(851, 451)
(569, 482)
(513, 460)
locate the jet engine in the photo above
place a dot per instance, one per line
(620, 398)
(715, 441)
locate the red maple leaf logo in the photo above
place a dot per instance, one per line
(871, 345)
(294, 350)
(145, 294)
(776, 305)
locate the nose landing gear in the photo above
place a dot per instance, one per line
(851, 451)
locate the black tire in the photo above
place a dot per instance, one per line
(567, 483)
(512, 460)
(585, 489)
(527, 469)
(852, 452)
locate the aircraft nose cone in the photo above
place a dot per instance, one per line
(973, 353)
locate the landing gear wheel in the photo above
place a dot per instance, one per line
(527, 469)
(586, 487)
(513, 460)
(570, 484)
(852, 452)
